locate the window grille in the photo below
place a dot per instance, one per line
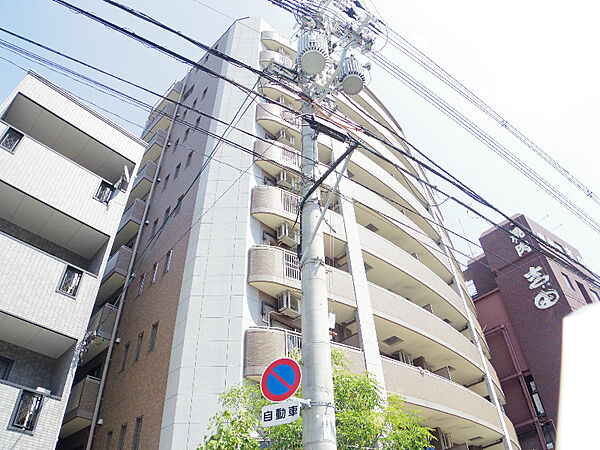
(28, 410)
(137, 433)
(168, 261)
(141, 288)
(122, 435)
(70, 281)
(125, 354)
(10, 139)
(138, 349)
(104, 192)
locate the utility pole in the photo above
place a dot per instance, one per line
(318, 421)
(317, 82)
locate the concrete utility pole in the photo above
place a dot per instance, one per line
(318, 421)
(314, 46)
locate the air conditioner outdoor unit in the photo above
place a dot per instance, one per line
(286, 180)
(289, 305)
(287, 235)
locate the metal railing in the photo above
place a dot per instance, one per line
(293, 343)
(289, 202)
(291, 266)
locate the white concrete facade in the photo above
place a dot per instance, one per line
(49, 222)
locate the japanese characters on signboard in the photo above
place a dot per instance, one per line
(280, 413)
(545, 296)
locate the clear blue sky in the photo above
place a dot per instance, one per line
(535, 63)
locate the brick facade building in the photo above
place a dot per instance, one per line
(522, 297)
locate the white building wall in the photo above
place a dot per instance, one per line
(216, 303)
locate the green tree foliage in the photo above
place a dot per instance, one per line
(364, 420)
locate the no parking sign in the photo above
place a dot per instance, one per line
(280, 380)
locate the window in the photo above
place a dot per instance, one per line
(137, 433)
(122, 435)
(188, 161)
(141, 288)
(153, 334)
(5, 366)
(27, 411)
(204, 94)
(177, 170)
(535, 396)
(109, 436)
(568, 281)
(595, 295)
(168, 261)
(198, 122)
(70, 281)
(187, 93)
(10, 139)
(104, 192)
(186, 134)
(125, 353)
(175, 145)
(166, 183)
(183, 115)
(154, 226)
(138, 349)
(194, 104)
(178, 205)
(154, 271)
(167, 212)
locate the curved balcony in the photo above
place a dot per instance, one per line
(114, 273)
(171, 95)
(444, 403)
(273, 118)
(275, 91)
(273, 270)
(268, 57)
(274, 154)
(371, 174)
(80, 406)
(274, 41)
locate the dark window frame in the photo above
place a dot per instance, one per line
(138, 348)
(76, 274)
(153, 337)
(9, 363)
(6, 136)
(137, 433)
(125, 355)
(29, 426)
(122, 437)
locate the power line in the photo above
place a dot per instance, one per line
(470, 192)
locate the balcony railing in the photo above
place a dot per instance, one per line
(80, 406)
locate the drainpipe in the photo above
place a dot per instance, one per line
(129, 271)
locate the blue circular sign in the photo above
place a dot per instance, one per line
(281, 379)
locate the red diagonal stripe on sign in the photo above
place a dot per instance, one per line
(285, 383)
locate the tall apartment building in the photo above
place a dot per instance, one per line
(60, 163)
(522, 297)
(216, 297)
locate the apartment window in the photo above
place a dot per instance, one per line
(138, 348)
(204, 94)
(535, 396)
(5, 366)
(167, 212)
(186, 134)
(109, 437)
(198, 122)
(104, 192)
(178, 205)
(125, 353)
(154, 227)
(137, 433)
(595, 295)
(566, 278)
(187, 93)
(122, 435)
(26, 411)
(154, 271)
(11, 139)
(177, 170)
(194, 104)
(166, 182)
(153, 334)
(175, 145)
(141, 288)
(168, 261)
(70, 281)
(188, 161)
(183, 115)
